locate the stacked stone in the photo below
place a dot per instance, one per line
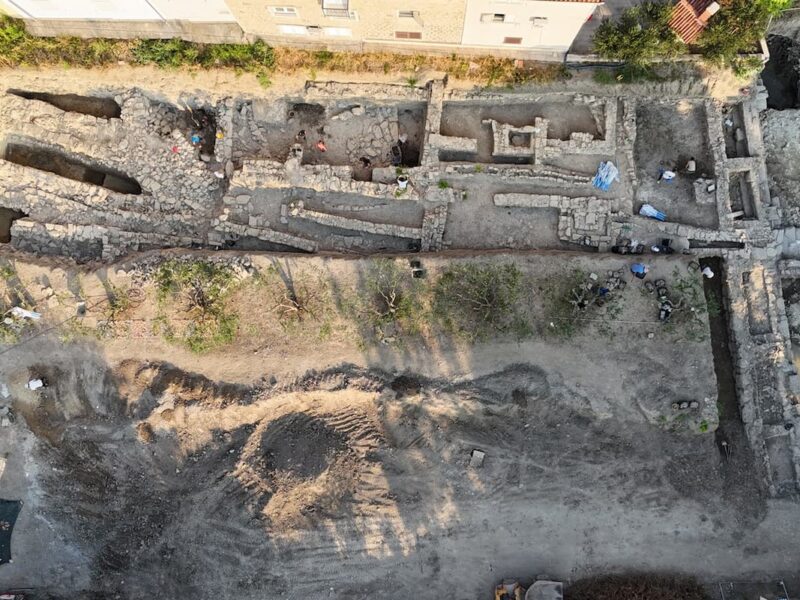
(501, 138)
(321, 178)
(540, 174)
(433, 124)
(626, 140)
(433, 224)
(228, 126)
(371, 138)
(414, 233)
(582, 219)
(224, 226)
(766, 390)
(320, 90)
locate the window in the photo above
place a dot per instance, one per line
(337, 9)
(512, 40)
(406, 14)
(293, 29)
(282, 11)
(338, 31)
(408, 35)
(493, 18)
(539, 21)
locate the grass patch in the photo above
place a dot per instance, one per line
(197, 290)
(475, 301)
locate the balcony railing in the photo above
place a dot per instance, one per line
(336, 9)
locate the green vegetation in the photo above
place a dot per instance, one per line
(392, 302)
(477, 300)
(200, 289)
(7, 272)
(444, 184)
(18, 48)
(641, 35)
(688, 318)
(736, 29)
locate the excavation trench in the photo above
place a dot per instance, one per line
(55, 162)
(104, 108)
(735, 454)
(7, 218)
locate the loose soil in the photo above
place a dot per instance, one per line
(290, 465)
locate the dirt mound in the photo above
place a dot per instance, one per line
(303, 464)
(635, 587)
(300, 445)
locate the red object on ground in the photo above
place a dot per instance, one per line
(175, 150)
(321, 146)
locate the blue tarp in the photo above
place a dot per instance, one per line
(607, 173)
(650, 211)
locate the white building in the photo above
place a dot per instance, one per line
(528, 29)
(546, 25)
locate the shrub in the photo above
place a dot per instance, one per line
(641, 35)
(737, 28)
(475, 300)
(202, 287)
(392, 297)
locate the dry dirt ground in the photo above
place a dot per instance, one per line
(148, 471)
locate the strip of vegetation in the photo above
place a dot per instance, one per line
(19, 48)
(642, 35)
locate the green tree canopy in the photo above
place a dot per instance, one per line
(737, 28)
(640, 35)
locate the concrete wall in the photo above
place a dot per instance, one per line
(198, 20)
(437, 21)
(537, 23)
(124, 10)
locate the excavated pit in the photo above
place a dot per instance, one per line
(102, 108)
(55, 162)
(7, 218)
(781, 74)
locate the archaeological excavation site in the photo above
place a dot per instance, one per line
(374, 340)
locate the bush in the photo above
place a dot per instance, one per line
(165, 53)
(392, 299)
(641, 35)
(202, 287)
(475, 300)
(737, 28)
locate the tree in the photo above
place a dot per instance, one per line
(737, 28)
(641, 35)
(476, 300)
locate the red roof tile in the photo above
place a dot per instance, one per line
(689, 18)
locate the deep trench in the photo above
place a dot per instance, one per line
(7, 218)
(104, 108)
(55, 162)
(781, 74)
(737, 463)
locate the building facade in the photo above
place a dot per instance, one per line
(531, 29)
